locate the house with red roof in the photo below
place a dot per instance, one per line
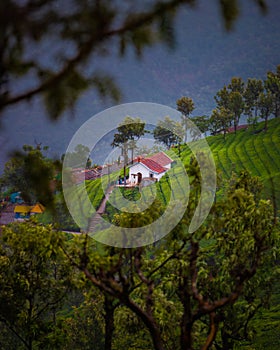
(152, 168)
(162, 159)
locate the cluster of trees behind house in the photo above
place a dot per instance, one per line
(255, 99)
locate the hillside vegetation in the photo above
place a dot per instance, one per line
(253, 150)
(256, 152)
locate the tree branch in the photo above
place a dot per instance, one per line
(209, 307)
(149, 283)
(213, 331)
(194, 272)
(86, 49)
(6, 323)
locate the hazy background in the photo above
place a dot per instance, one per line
(205, 58)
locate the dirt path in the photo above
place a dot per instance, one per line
(96, 218)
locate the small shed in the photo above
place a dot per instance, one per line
(22, 211)
(37, 209)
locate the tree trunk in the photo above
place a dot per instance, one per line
(277, 110)
(266, 120)
(227, 343)
(124, 174)
(29, 318)
(213, 328)
(149, 321)
(235, 124)
(132, 155)
(186, 335)
(109, 323)
(125, 161)
(186, 321)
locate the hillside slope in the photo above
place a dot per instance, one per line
(257, 152)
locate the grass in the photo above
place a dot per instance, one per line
(258, 153)
(95, 192)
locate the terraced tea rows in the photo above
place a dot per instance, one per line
(258, 153)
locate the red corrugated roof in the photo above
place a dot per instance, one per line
(161, 158)
(154, 166)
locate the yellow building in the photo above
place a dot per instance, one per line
(24, 211)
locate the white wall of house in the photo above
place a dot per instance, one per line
(168, 166)
(140, 168)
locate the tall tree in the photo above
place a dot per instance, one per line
(35, 280)
(129, 131)
(168, 132)
(254, 88)
(220, 120)
(265, 104)
(272, 85)
(231, 98)
(215, 126)
(236, 105)
(222, 98)
(201, 126)
(185, 105)
(236, 85)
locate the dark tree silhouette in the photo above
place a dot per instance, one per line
(78, 32)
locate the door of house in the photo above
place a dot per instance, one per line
(139, 175)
